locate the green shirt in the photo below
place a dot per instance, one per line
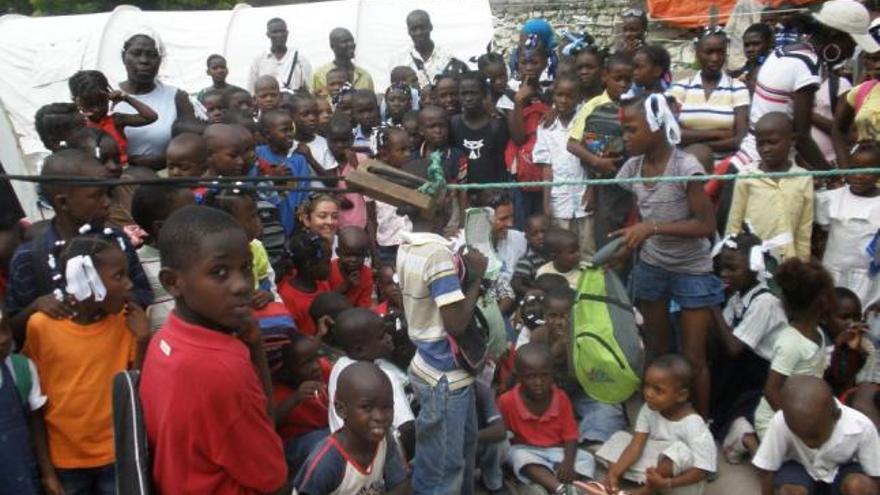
(361, 79)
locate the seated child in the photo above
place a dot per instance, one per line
(544, 447)
(78, 358)
(92, 94)
(226, 151)
(299, 393)
(242, 205)
(275, 158)
(348, 273)
(527, 267)
(206, 376)
(267, 94)
(672, 450)
(361, 457)
(324, 311)
(186, 156)
(23, 433)
(215, 103)
(563, 248)
(815, 444)
(151, 206)
(310, 258)
(361, 335)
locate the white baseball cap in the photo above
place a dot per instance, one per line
(852, 18)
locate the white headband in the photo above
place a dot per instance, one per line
(756, 254)
(83, 280)
(662, 118)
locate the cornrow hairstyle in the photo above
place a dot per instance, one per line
(401, 87)
(55, 122)
(380, 137)
(88, 83)
(304, 247)
(491, 58)
(88, 244)
(212, 57)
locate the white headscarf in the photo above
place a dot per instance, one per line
(660, 116)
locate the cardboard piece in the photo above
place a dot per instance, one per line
(391, 185)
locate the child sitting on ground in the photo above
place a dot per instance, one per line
(564, 249)
(151, 206)
(525, 273)
(544, 447)
(816, 444)
(26, 467)
(672, 450)
(205, 376)
(310, 257)
(362, 336)
(267, 94)
(92, 94)
(241, 203)
(78, 358)
(775, 206)
(275, 159)
(299, 393)
(348, 273)
(361, 457)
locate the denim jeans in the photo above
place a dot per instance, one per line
(446, 436)
(297, 450)
(490, 456)
(88, 481)
(598, 421)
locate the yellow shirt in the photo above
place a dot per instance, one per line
(77, 364)
(774, 207)
(867, 119)
(361, 79)
(573, 276)
(580, 118)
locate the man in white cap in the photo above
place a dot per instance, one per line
(789, 78)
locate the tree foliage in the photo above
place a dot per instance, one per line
(61, 7)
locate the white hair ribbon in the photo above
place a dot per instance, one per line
(727, 242)
(83, 280)
(660, 116)
(756, 255)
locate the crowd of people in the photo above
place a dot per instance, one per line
(295, 334)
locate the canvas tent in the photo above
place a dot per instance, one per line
(39, 54)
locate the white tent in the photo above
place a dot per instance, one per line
(39, 54)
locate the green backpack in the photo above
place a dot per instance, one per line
(607, 351)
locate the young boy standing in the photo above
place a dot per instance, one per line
(816, 444)
(205, 380)
(439, 306)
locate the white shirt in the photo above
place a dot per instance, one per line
(35, 397)
(566, 202)
(402, 412)
(691, 431)
(778, 80)
(268, 65)
(756, 319)
(510, 250)
(854, 438)
(431, 67)
(851, 222)
(321, 154)
(390, 225)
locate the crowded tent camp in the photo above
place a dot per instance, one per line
(384, 252)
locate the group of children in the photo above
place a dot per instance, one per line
(317, 341)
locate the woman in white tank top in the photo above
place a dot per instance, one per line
(142, 55)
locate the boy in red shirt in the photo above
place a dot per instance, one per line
(545, 434)
(299, 392)
(205, 379)
(348, 274)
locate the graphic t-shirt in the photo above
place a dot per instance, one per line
(484, 149)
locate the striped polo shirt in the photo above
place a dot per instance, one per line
(715, 112)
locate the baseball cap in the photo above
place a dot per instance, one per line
(852, 18)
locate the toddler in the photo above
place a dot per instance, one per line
(348, 273)
(310, 257)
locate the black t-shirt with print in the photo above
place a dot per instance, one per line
(483, 148)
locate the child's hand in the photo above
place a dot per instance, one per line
(353, 279)
(634, 236)
(306, 390)
(527, 90)
(52, 485)
(612, 480)
(655, 480)
(136, 319)
(250, 333)
(304, 149)
(51, 306)
(261, 298)
(116, 96)
(565, 473)
(476, 263)
(852, 336)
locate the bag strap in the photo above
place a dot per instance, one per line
(810, 63)
(833, 89)
(862, 93)
(292, 67)
(23, 379)
(39, 257)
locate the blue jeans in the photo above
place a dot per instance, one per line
(690, 291)
(446, 439)
(490, 456)
(598, 420)
(88, 481)
(297, 450)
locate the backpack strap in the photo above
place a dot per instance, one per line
(862, 92)
(23, 379)
(810, 63)
(833, 89)
(292, 68)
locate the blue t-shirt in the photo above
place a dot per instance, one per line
(288, 200)
(330, 470)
